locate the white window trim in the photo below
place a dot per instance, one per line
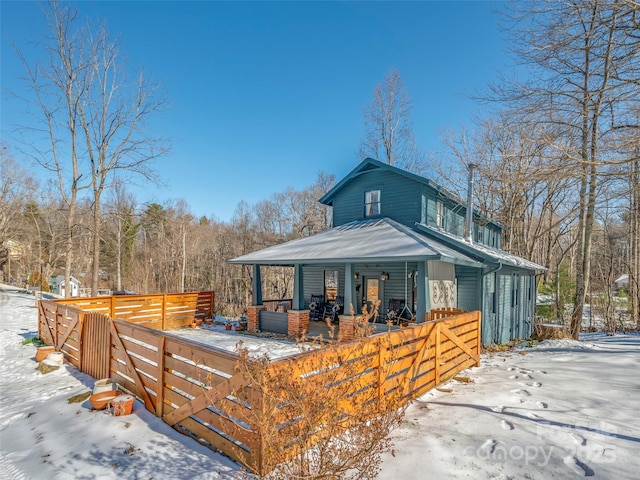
(370, 205)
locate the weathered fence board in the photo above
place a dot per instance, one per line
(96, 345)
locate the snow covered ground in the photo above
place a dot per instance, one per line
(559, 409)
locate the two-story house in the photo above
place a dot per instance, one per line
(397, 239)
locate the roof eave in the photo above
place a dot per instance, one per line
(474, 252)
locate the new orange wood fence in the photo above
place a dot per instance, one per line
(200, 391)
(74, 325)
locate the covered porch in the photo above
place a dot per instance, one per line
(337, 272)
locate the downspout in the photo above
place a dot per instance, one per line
(469, 217)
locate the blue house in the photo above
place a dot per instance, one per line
(397, 239)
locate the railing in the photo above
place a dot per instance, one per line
(438, 313)
(282, 305)
(200, 391)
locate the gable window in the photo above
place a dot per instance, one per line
(440, 215)
(372, 203)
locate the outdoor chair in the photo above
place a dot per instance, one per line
(333, 310)
(316, 307)
(394, 309)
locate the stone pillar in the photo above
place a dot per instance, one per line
(347, 327)
(253, 317)
(298, 322)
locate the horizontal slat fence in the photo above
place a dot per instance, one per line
(159, 311)
(407, 362)
(201, 392)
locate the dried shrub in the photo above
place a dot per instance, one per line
(321, 414)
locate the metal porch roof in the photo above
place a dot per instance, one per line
(478, 250)
(377, 240)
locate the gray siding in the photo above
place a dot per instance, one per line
(515, 305)
(276, 322)
(392, 288)
(400, 198)
(314, 280)
(503, 325)
(468, 285)
(489, 316)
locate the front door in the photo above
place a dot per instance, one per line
(373, 292)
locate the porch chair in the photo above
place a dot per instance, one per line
(395, 310)
(332, 310)
(316, 307)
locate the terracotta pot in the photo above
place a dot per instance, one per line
(104, 385)
(227, 327)
(208, 321)
(198, 321)
(99, 401)
(42, 352)
(122, 405)
(56, 357)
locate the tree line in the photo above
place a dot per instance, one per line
(557, 157)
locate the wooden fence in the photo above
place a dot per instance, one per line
(200, 391)
(74, 326)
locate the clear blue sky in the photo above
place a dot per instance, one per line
(265, 95)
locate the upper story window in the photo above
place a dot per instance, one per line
(372, 203)
(440, 214)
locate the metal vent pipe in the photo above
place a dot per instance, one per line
(468, 225)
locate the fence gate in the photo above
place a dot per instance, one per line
(96, 345)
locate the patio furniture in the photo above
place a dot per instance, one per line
(333, 310)
(316, 307)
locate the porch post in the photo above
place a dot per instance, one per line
(350, 297)
(298, 288)
(256, 285)
(422, 285)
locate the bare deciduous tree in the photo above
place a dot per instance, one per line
(388, 130)
(584, 84)
(93, 116)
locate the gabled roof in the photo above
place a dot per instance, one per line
(478, 250)
(373, 240)
(369, 164)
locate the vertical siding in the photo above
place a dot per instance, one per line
(489, 309)
(503, 330)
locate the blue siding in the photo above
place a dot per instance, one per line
(468, 285)
(313, 283)
(503, 325)
(515, 297)
(489, 315)
(276, 322)
(392, 288)
(400, 198)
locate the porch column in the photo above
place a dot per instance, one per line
(350, 298)
(298, 288)
(422, 287)
(256, 285)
